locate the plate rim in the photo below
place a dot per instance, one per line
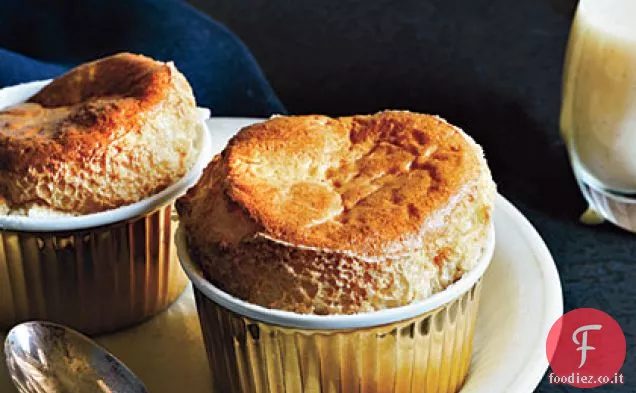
(553, 307)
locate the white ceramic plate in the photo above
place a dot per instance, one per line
(521, 299)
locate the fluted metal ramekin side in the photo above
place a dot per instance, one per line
(429, 353)
(95, 280)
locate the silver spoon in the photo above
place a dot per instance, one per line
(46, 357)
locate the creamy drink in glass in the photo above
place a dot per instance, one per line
(598, 115)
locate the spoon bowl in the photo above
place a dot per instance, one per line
(46, 357)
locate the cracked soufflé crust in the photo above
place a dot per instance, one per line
(106, 134)
(341, 215)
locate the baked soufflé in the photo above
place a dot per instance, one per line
(106, 134)
(321, 215)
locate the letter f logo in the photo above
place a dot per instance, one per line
(584, 347)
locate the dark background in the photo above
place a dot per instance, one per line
(492, 67)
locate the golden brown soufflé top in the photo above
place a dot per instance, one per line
(108, 133)
(375, 211)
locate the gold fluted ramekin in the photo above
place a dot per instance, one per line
(97, 272)
(424, 347)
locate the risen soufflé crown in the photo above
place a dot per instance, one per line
(106, 134)
(321, 215)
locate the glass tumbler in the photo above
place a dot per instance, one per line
(598, 114)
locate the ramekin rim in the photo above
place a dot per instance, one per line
(332, 322)
(123, 213)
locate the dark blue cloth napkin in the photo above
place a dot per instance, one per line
(42, 39)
